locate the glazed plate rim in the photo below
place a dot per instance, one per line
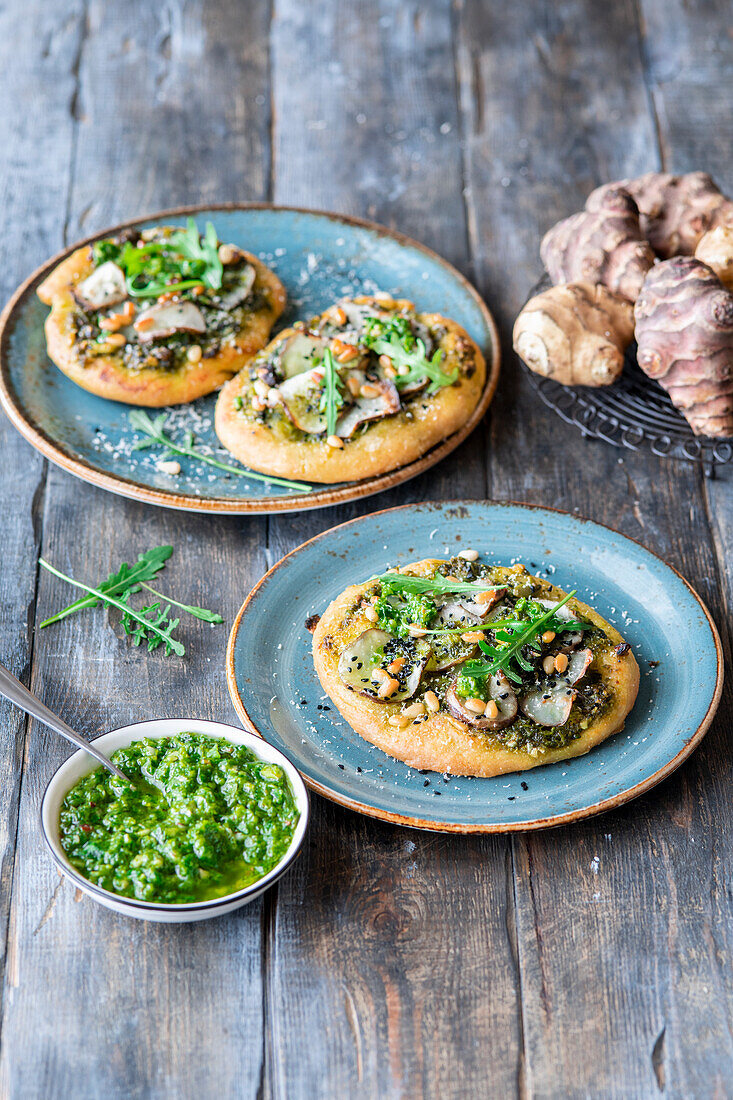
(322, 497)
(550, 821)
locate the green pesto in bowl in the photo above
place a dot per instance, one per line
(205, 818)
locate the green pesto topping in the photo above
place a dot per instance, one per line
(204, 819)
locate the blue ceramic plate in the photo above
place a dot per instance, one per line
(320, 258)
(277, 693)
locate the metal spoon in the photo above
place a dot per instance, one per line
(17, 693)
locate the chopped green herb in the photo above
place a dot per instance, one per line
(395, 339)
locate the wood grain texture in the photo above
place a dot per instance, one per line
(33, 213)
(591, 961)
(391, 930)
(612, 916)
(116, 1007)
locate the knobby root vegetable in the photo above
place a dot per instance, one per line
(675, 211)
(575, 334)
(684, 331)
(716, 250)
(602, 244)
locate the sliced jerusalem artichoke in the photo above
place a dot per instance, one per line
(578, 664)
(104, 287)
(385, 402)
(299, 352)
(550, 703)
(241, 289)
(502, 694)
(376, 657)
(602, 244)
(684, 331)
(575, 334)
(301, 399)
(165, 318)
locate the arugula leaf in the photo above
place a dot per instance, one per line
(395, 339)
(181, 261)
(128, 578)
(158, 627)
(515, 634)
(331, 398)
(405, 583)
(205, 250)
(155, 430)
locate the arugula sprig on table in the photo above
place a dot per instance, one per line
(394, 337)
(151, 623)
(155, 431)
(331, 397)
(512, 635)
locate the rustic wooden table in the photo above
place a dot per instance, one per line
(592, 961)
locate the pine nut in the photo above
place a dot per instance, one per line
(371, 613)
(390, 371)
(549, 665)
(396, 665)
(561, 662)
(380, 675)
(416, 631)
(472, 636)
(432, 702)
(484, 597)
(389, 687)
(344, 352)
(492, 711)
(518, 568)
(405, 304)
(415, 710)
(261, 388)
(335, 442)
(548, 636)
(385, 300)
(403, 370)
(368, 390)
(227, 253)
(338, 316)
(385, 362)
(169, 466)
(258, 404)
(468, 555)
(194, 354)
(115, 340)
(354, 385)
(399, 721)
(475, 706)
(144, 323)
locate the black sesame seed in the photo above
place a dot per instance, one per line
(341, 766)
(525, 787)
(426, 783)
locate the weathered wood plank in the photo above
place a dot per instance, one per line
(32, 219)
(394, 926)
(619, 920)
(172, 106)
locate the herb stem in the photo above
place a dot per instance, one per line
(142, 422)
(197, 612)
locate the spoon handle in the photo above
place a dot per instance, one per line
(17, 693)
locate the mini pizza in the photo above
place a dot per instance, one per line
(366, 387)
(158, 317)
(458, 667)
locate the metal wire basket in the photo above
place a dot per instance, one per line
(635, 412)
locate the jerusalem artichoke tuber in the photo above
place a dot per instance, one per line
(575, 334)
(684, 331)
(602, 244)
(716, 250)
(675, 211)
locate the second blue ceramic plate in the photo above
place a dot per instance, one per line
(277, 694)
(320, 258)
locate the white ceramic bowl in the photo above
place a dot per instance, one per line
(81, 764)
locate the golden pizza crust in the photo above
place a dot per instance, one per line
(443, 743)
(385, 445)
(107, 376)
